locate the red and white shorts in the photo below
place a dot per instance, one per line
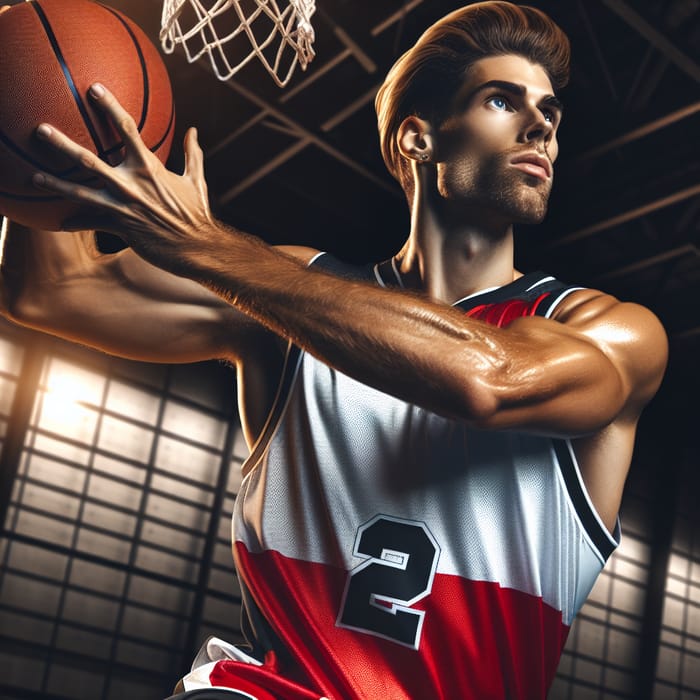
(222, 665)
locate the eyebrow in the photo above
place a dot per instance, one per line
(514, 89)
(554, 102)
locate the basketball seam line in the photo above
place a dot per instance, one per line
(144, 68)
(69, 78)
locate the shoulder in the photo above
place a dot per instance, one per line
(630, 335)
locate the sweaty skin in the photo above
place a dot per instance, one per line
(585, 374)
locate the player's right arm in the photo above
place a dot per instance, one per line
(61, 284)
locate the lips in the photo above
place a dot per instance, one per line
(533, 164)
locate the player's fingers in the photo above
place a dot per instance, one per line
(194, 164)
(194, 156)
(194, 167)
(77, 153)
(71, 190)
(122, 120)
(98, 211)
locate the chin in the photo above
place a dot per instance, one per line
(528, 205)
(524, 207)
(522, 200)
(533, 215)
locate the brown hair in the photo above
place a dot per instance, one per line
(425, 79)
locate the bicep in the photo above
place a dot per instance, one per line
(600, 361)
(124, 306)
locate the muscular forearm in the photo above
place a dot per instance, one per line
(403, 344)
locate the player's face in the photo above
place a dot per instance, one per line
(497, 150)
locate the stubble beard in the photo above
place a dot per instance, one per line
(495, 186)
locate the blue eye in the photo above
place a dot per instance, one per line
(499, 103)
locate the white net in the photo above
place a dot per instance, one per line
(234, 32)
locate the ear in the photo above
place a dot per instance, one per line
(415, 139)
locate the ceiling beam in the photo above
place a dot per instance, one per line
(262, 171)
(686, 334)
(309, 138)
(640, 132)
(352, 43)
(396, 17)
(655, 37)
(672, 254)
(626, 216)
(598, 52)
(305, 136)
(349, 110)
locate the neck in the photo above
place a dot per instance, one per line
(450, 260)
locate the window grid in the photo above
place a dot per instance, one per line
(110, 539)
(11, 355)
(601, 655)
(678, 667)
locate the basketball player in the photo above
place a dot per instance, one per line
(439, 443)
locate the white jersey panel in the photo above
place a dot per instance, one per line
(343, 453)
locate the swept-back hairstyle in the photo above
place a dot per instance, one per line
(424, 81)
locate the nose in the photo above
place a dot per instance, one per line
(536, 127)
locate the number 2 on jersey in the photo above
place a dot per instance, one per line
(401, 559)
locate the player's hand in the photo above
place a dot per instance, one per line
(161, 214)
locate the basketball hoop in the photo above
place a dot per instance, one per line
(233, 32)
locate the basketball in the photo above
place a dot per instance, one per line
(51, 51)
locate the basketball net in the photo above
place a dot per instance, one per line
(234, 32)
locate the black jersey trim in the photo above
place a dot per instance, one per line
(329, 263)
(599, 535)
(387, 275)
(284, 390)
(525, 288)
(555, 298)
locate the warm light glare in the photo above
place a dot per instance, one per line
(63, 408)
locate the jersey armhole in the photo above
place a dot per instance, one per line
(292, 361)
(603, 542)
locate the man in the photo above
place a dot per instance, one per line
(439, 443)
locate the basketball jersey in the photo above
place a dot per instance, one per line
(388, 552)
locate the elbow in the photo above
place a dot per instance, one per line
(26, 308)
(478, 402)
(23, 313)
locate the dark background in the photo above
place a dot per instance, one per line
(302, 165)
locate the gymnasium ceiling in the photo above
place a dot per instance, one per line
(301, 164)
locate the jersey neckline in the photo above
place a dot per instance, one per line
(387, 276)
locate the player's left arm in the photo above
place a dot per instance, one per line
(599, 360)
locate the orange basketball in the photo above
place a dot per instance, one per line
(51, 51)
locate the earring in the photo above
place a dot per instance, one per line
(424, 156)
